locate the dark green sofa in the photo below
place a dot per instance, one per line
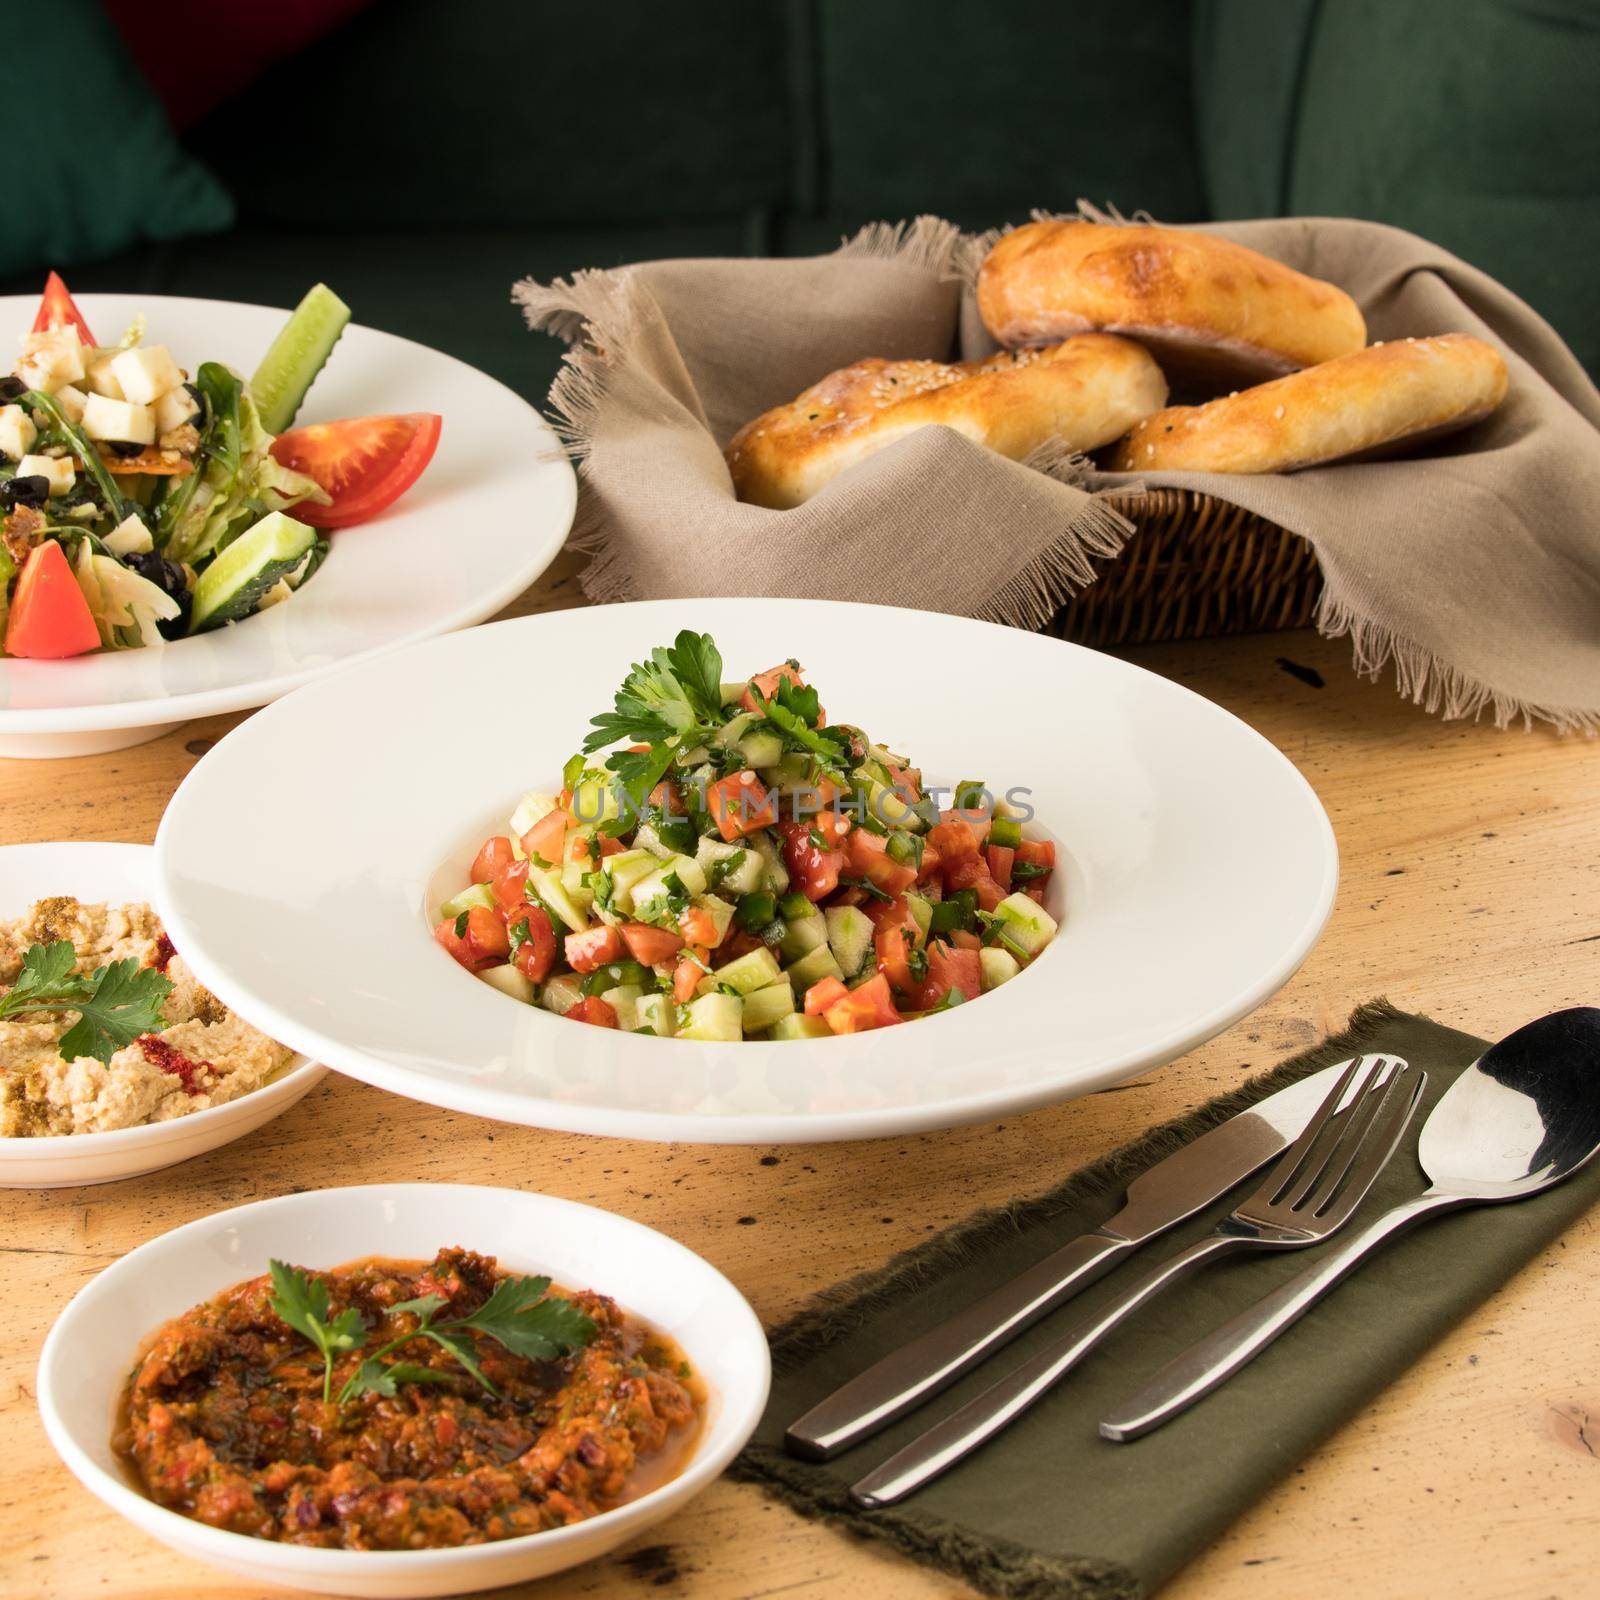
(424, 156)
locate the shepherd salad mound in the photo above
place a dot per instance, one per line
(745, 869)
(140, 504)
(103, 1026)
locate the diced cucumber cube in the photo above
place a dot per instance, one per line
(595, 799)
(718, 1017)
(999, 966)
(801, 936)
(777, 874)
(749, 973)
(625, 870)
(651, 893)
(733, 730)
(741, 878)
(796, 1026)
(921, 910)
(791, 772)
(654, 1011)
(562, 993)
(893, 812)
(549, 888)
(478, 894)
(646, 838)
(533, 807)
(1027, 923)
(850, 937)
(624, 1000)
(813, 967)
(509, 981)
(761, 749)
(766, 1006)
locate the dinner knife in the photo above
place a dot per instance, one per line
(1158, 1199)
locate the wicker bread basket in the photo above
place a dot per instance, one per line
(1195, 567)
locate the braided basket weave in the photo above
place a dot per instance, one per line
(1195, 567)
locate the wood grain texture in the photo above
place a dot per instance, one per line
(1471, 891)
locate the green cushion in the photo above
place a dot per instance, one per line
(1476, 125)
(982, 112)
(91, 163)
(449, 291)
(515, 112)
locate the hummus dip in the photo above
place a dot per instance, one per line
(203, 1055)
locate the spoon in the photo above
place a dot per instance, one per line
(1522, 1117)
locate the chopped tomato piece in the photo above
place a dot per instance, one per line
(766, 684)
(950, 969)
(963, 940)
(973, 873)
(510, 886)
(364, 463)
(1035, 891)
(903, 781)
(953, 837)
(610, 846)
(892, 914)
(687, 974)
(547, 838)
(932, 864)
(537, 953)
(593, 948)
(739, 942)
(650, 946)
(49, 619)
(893, 947)
(822, 994)
(867, 856)
(834, 826)
(593, 1009)
(445, 933)
(494, 855)
(56, 310)
(667, 797)
(698, 926)
(1037, 853)
(814, 869)
(857, 1011)
(487, 936)
(999, 857)
(740, 805)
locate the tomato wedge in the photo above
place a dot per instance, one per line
(49, 618)
(364, 463)
(56, 310)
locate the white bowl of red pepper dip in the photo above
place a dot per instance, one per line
(439, 1389)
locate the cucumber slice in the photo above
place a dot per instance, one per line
(713, 1016)
(813, 967)
(510, 982)
(746, 975)
(745, 876)
(802, 936)
(765, 846)
(921, 911)
(766, 1006)
(549, 888)
(233, 585)
(653, 1011)
(562, 993)
(297, 355)
(998, 966)
(477, 894)
(1026, 922)
(794, 1026)
(624, 1000)
(850, 936)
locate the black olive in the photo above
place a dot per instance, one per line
(32, 490)
(168, 576)
(124, 447)
(12, 388)
(198, 396)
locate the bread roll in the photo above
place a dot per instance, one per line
(1372, 403)
(1213, 313)
(1084, 392)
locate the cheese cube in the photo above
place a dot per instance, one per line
(129, 537)
(118, 421)
(71, 401)
(58, 469)
(102, 380)
(175, 408)
(50, 359)
(17, 432)
(146, 373)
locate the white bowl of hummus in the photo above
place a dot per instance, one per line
(128, 1075)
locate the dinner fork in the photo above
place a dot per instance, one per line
(1310, 1192)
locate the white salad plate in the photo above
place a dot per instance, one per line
(120, 874)
(96, 1340)
(483, 521)
(1197, 868)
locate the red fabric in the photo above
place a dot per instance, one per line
(199, 53)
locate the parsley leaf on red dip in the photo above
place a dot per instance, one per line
(225, 1420)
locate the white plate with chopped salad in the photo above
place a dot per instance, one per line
(917, 871)
(222, 502)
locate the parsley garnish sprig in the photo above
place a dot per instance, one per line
(517, 1315)
(115, 1003)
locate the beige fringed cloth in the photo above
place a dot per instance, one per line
(1473, 568)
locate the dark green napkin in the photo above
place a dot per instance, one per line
(1051, 1509)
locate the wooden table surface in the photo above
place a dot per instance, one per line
(1471, 891)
